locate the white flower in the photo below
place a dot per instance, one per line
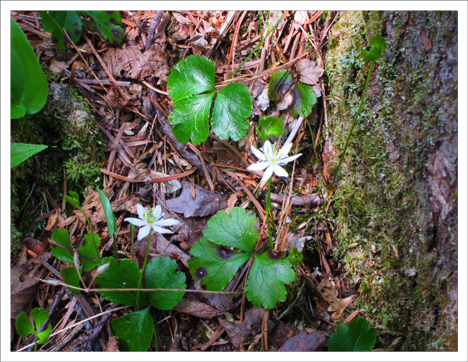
(151, 219)
(271, 159)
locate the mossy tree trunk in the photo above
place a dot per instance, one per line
(396, 203)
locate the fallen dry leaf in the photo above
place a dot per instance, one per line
(131, 62)
(205, 203)
(112, 345)
(305, 342)
(281, 333)
(239, 332)
(57, 66)
(197, 309)
(310, 73)
(339, 306)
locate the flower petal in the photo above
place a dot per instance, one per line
(268, 173)
(141, 211)
(257, 153)
(278, 170)
(167, 222)
(268, 150)
(157, 211)
(136, 222)
(285, 150)
(144, 231)
(161, 230)
(286, 160)
(258, 166)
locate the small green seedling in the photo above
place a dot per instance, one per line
(105, 23)
(214, 263)
(25, 328)
(271, 126)
(357, 336)
(191, 86)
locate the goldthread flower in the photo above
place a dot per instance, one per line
(271, 159)
(151, 219)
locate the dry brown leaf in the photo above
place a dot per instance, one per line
(130, 62)
(57, 66)
(112, 345)
(339, 306)
(239, 332)
(305, 342)
(310, 73)
(329, 290)
(231, 202)
(197, 309)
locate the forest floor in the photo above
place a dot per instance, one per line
(125, 87)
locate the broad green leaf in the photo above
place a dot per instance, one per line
(22, 151)
(29, 88)
(357, 336)
(378, 46)
(269, 273)
(23, 325)
(305, 100)
(279, 84)
(61, 236)
(56, 22)
(40, 315)
(237, 229)
(214, 265)
(160, 273)
(271, 125)
(71, 277)
(119, 276)
(191, 118)
(89, 250)
(191, 76)
(110, 218)
(233, 107)
(105, 23)
(134, 330)
(73, 199)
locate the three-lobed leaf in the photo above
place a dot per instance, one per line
(272, 126)
(25, 328)
(119, 276)
(214, 265)
(106, 23)
(233, 107)
(134, 330)
(269, 273)
(305, 100)
(29, 88)
(22, 151)
(357, 336)
(160, 274)
(56, 22)
(237, 229)
(378, 46)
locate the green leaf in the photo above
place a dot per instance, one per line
(160, 273)
(22, 151)
(56, 22)
(105, 23)
(237, 229)
(269, 273)
(194, 75)
(89, 250)
(214, 265)
(23, 325)
(271, 125)
(71, 277)
(40, 315)
(233, 107)
(29, 88)
(73, 199)
(295, 256)
(378, 46)
(119, 276)
(305, 100)
(357, 336)
(191, 118)
(134, 330)
(279, 84)
(61, 236)
(110, 218)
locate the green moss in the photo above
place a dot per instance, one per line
(380, 201)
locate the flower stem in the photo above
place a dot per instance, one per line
(142, 272)
(268, 210)
(91, 231)
(337, 169)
